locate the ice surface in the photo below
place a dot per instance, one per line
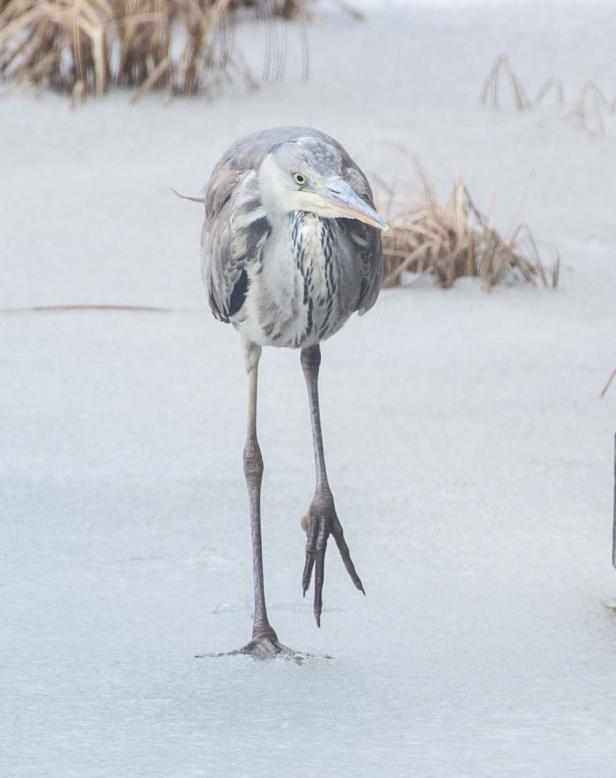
(469, 454)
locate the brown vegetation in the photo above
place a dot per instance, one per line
(83, 46)
(456, 239)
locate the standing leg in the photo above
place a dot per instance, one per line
(322, 519)
(264, 639)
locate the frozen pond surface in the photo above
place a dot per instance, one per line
(470, 457)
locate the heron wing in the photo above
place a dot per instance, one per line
(365, 241)
(234, 232)
(367, 246)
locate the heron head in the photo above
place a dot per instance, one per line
(306, 175)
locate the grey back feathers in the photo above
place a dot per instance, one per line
(242, 242)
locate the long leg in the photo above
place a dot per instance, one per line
(322, 517)
(264, 639)
(253, 470)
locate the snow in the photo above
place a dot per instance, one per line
(470, 456)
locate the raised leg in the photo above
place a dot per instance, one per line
(322, 520)
(264, 640)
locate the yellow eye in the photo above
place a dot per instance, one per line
(299, 179)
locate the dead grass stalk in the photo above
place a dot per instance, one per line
(456, 239)
(83, 46)
(588, 111)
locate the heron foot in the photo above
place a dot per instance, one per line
(320, 522)
(268, 647)
(264, 645)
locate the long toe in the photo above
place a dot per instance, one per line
(322, 522)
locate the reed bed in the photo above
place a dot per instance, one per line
(62, 43)
(455, 239)
(85, 46)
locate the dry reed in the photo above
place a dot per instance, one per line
(503, 71)
(83, 46)
(456, 239)
(590, 109)
(64, 42)
(587, 111)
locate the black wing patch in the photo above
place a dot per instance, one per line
(238, 295)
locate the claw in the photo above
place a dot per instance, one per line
(319, 526)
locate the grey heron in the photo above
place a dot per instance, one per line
(290, 249)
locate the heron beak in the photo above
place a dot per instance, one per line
(336, 199)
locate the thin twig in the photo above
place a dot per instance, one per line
(609, 381)
(95, 307)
